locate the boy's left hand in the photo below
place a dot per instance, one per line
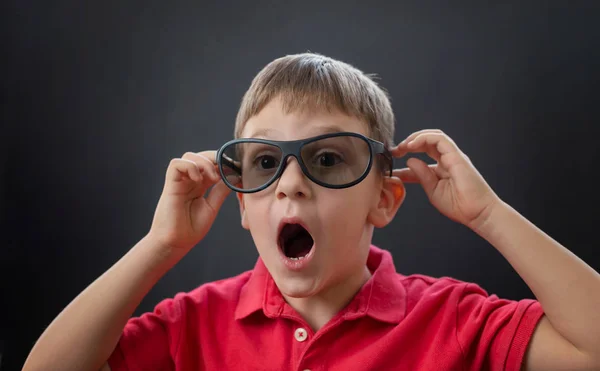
(453, 185)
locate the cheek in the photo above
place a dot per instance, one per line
(359, 201)
(257, 214)
(347, 208)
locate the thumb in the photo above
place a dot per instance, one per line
(217, 195)
(425, 174)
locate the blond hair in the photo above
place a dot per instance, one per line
(310, 81)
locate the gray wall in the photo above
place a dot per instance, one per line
(99, 97)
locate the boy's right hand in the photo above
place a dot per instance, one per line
(183, 215)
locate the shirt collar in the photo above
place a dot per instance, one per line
(382, 297)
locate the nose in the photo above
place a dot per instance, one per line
(293, 183)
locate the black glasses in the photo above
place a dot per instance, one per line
(337, 160)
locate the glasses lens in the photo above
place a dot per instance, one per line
(337, 160)
(250, 165)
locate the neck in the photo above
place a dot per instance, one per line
(319, 309)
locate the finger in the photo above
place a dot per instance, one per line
(409, 176)
(212, 165)
(211, 156)
(417, 145)
(217, 195)
(401, 149)
(208, 156)
(426, 175)
(205, 162)
(421, 132)
(179, 169)
(406, 175)
(440, 142)
(429, 149)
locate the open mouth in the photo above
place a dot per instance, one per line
(295, 241)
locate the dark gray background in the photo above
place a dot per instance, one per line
(97, 98)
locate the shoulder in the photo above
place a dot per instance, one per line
(472, 305)
(486, 328)
(211, 296)
(420, 284)
(422, 280)
(438, 291)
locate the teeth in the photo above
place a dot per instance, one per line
(298, 258)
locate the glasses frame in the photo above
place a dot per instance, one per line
(294, 148)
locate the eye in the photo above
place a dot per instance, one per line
(266, 162)
(328, 159)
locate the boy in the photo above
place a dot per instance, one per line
(313, 179)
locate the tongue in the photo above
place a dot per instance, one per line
(299, 246)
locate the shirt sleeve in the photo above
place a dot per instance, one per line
(494, 333)
(149, 342)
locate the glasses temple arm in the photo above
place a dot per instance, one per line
(231, 165)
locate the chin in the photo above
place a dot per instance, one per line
(297, 287)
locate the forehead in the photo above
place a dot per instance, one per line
(273, 122)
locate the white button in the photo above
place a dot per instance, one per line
(300, 334)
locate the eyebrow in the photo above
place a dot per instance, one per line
(325, 129)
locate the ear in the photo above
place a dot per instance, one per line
(391, 197)
(240, 197)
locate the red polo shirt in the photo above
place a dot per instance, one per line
(394, 322)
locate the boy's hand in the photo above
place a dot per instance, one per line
(183, 215)
(453, 185)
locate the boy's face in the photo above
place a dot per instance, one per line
(339, 222)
